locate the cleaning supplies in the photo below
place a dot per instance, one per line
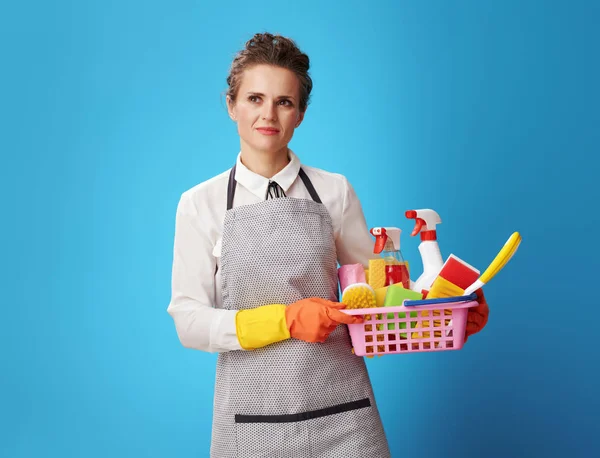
(376, 275)
(388, 270)
(459, 278)
(425, 224)
(452, 280)
(387, 243)
(359, 296)
(349, 274)
(396, 295)
(380, 294)
(505, 254)
(356, 292)
(454, 277)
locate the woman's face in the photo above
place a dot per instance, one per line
(266, 108)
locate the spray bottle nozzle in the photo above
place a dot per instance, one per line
(380, 235)
(386, 239)
(419, 222)
(424, 217)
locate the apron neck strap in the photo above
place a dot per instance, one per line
(311, 189)
(232, 185)
(231, 188)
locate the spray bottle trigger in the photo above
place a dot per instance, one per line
(380, 239)
(379, 244)
(419, 222)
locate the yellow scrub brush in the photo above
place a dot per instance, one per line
(362, 296)
(359, 296)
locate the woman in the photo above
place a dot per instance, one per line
(255, 279)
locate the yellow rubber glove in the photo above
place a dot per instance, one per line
(311, 320)
(261, 326)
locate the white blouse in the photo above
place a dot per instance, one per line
(196, 280)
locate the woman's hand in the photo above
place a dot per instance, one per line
(477, 317)
(313, 319)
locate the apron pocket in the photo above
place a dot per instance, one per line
(260, 435)
(258, 440)
(348, 433)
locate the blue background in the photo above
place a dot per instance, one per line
(486, 111)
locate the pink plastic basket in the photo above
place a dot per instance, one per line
(401, 329)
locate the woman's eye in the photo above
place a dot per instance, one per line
(285, 102)
(253, 98)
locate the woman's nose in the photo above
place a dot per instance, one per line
(269, 113)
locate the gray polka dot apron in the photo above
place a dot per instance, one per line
(290, 399)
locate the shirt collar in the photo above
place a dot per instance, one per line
(257, 184)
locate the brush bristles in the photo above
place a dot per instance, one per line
(359, 297)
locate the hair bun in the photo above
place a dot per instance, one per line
(265, 38)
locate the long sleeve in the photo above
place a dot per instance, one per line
(354, 243)
(199, 324)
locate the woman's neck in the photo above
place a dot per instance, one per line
(266, 164)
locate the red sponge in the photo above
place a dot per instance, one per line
(458, 272)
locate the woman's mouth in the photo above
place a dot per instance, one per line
(268, 130)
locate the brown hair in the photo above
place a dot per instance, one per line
(265, 48)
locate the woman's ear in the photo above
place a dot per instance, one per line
(231, 108)
(300, 118)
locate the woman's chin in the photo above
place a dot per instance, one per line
(268, 146)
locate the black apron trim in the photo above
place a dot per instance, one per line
(354, 405)
(232, 183)
(309, 186)
(231, 188)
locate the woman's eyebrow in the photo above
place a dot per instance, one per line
(260, 94)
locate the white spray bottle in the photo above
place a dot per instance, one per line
(426, 221)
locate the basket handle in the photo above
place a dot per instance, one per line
(441, 300)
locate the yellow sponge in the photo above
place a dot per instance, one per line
(440, 288)
(380, 294)
(443, 288)
(376, 273)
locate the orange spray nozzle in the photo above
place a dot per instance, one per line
(380, 235)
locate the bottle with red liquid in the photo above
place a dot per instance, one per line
(387, 243)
